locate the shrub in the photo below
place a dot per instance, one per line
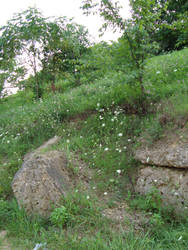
(60, 216)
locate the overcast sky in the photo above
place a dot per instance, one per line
(69, 8)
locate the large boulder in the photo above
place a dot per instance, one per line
(171, 183)
(164, 153)
(41, 182)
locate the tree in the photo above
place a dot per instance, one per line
(170, 36)
(22, 41)
(137, 30)
(66, 44)
(30, 43)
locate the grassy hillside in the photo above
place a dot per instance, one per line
(100, 124)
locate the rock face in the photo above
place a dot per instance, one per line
(172, 185)
(161, 154)
(166, 169)
(41, 182)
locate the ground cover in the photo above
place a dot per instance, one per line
(100, 124)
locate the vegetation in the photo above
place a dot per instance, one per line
(41, 44)
(172, 37)
(100, 111)
(136, 31)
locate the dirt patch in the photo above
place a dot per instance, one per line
(125, 218)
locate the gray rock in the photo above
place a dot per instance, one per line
(171, 183)
(41, 182)
(164, 154)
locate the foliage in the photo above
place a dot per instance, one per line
(67, 42)
(136, 31)
(60, 216)
(31, 42)
(96, 63)
(181, 25)
(173, 34)
(151, 202)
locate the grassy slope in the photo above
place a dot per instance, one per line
(104, 137)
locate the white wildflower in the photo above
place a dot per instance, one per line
(105, 193)
(118, 171)
(120, 134)
(158, 72)
(106, 149)
(103, 125)
(39, 245)
(87, 197)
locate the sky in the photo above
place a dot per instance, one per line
(69, 8)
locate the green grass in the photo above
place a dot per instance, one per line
(166, 75)
(24, 127)
(100, 123)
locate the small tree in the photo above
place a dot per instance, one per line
(137, 30)
(22, 41)
(30, 43)
(66, 44)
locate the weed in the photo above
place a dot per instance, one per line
(60, 217)
(151, 202)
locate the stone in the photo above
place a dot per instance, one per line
(164, 154)
(41, 182)
(171, 183)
